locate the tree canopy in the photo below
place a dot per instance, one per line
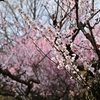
(50, 52)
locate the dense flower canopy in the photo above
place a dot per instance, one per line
(54, 58)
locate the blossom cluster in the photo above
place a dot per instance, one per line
(59, 40)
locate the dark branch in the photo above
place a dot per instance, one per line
(13, 77)
(93, 41)
(76, 5)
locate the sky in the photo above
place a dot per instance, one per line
(15, 4)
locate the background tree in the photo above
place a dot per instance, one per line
(27, 71)
(73, 45)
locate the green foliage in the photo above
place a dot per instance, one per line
(6, 98)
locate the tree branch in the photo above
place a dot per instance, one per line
(13, 77)
(76, 5)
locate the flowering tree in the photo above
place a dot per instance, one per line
(26, 73)
(71, 43)
(26, 68)
(77, 46)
